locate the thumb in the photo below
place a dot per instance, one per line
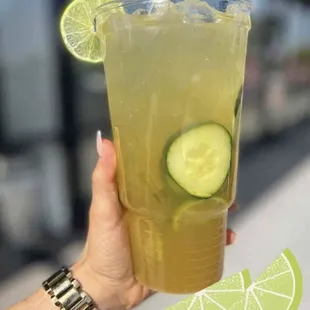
(105, 206)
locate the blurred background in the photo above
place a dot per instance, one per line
(52, 105)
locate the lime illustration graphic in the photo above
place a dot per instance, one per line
(278, 287)
(221, 295)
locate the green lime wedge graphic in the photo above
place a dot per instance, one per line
(220, 296)
(278, 287)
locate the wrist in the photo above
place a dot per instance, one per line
(104, 293)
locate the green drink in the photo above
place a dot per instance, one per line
(175, 75)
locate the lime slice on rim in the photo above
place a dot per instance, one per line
(189, 212)
(78, 30)
(220, 296)
(278, 287)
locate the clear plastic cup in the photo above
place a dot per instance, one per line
(175, 74)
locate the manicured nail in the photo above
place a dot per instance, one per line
(99, 143)
(231, 237)
(234, 207)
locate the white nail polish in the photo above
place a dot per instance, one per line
(99, 143)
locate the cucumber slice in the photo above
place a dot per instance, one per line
(199, 160)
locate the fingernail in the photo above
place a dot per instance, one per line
(99, 143)
(232, 237)
(234, 207)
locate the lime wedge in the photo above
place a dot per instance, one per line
(190, 212)
(220, 296)
(78, 33)
(78, 30)
(278, 287)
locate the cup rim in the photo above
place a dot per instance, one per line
(122, 3)
(116, 4)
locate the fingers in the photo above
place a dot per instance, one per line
(105, 206)
(234, 207)
(103, 179)
(231, 235)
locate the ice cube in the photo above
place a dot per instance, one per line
(233, 8)
(237, 7)
(196, 11)
(240, 11)
(156, 7)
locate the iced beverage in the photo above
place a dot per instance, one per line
(175, 75)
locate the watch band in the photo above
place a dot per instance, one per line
(66, 293)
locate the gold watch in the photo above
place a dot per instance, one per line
(66, 292)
